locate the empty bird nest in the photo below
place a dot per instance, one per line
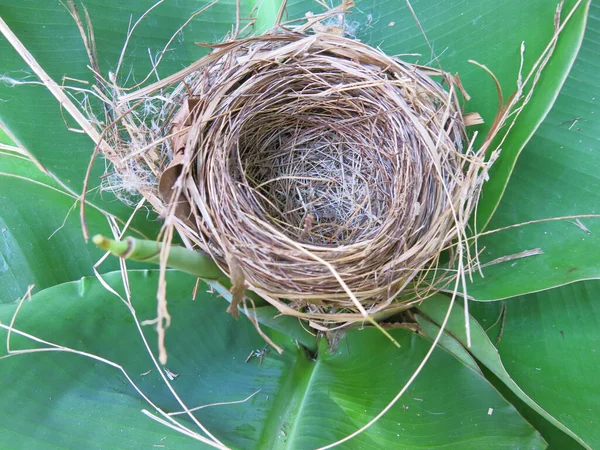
(331, 179)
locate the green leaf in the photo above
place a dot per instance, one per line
(58, 47)
(448, 342)
(47, 30)
(556, 176)
(544, 95)
(266, 14)
(207, 348)
(345, 389)
(301, 404)
(485, 352)
(40, 234)
(489, 315)
(550, 346)
(556, 439)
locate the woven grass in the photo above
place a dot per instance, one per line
(329, 174)
(331, 179)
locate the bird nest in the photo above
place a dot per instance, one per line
(331, 179)
(331, 175)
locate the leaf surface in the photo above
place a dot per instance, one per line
(40, 234)
(487, 354)
(550, 346)
(556, 176)
(299, 402)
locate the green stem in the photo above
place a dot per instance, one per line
(202, 266)
(180, 258)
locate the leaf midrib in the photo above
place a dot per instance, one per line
(281, 427)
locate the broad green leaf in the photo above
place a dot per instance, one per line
(556, 439)
(5, 139)
(58, 48)
(485, 352)
(557, 175)
(79, 403)
(266, 15)
(489, 316)
(551, 347)
(344, 389)
(544, 95)
(448, 342)
(302, 403)
(40, 234)
(32, 114)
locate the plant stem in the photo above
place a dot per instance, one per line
(202, 266)
(180, 258)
